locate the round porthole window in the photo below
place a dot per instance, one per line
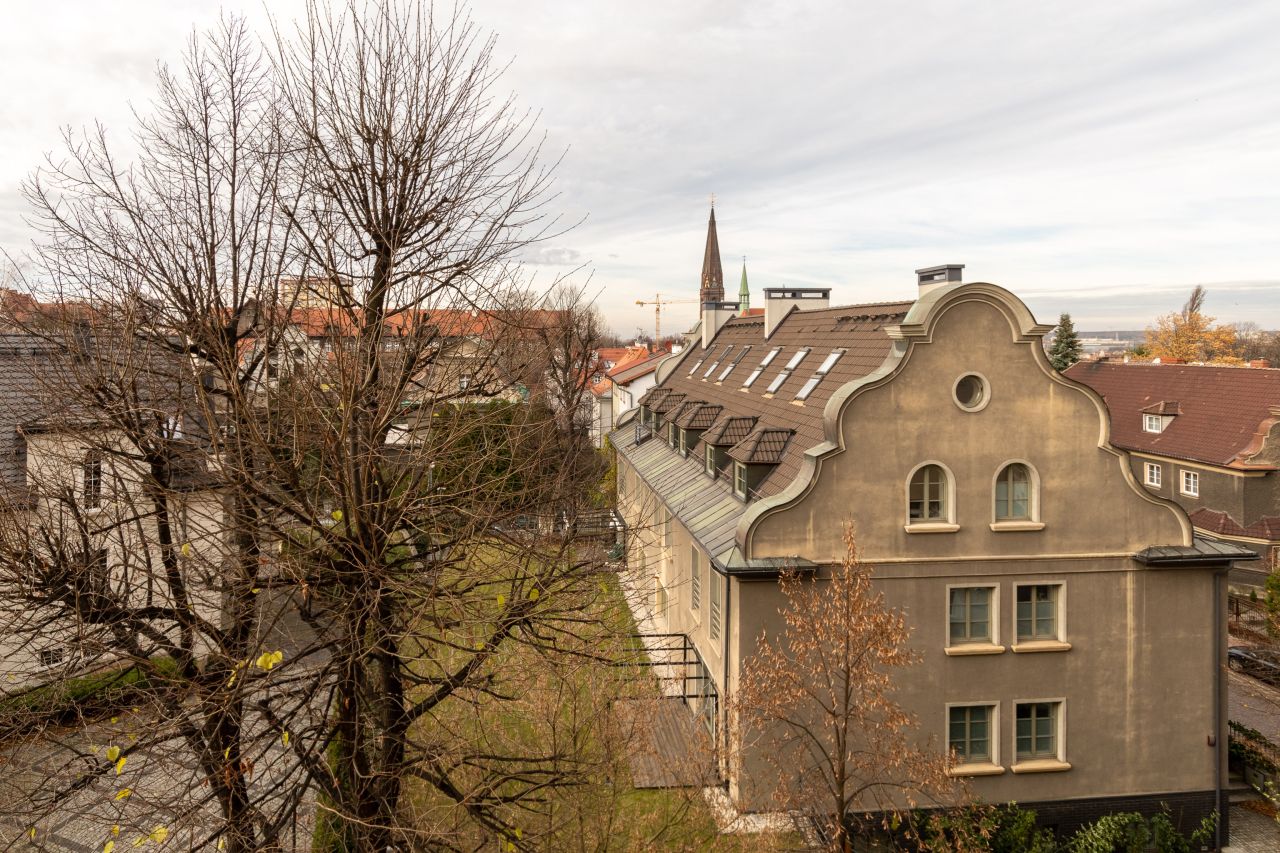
(971, 392)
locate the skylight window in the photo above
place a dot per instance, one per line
(829, 362)
(716, 363)
(796, 359)
(823, 369)
(786, 371)
(696, 365)
(737, 358)
(755, 374)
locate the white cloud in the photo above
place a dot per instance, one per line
(1100, 157)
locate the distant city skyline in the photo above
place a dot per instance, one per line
(1100, 159)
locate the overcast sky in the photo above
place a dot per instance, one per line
(1094, 157)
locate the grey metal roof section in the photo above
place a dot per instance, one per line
(708, 508)
(1203, 552)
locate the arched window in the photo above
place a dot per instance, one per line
(1014, 493)
(928, 496)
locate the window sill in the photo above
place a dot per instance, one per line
(932, 527)
(974, 649)
(1011, 526)
(1043, 765)
(1041, 646)
(983, 769)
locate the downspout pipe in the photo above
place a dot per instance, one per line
(728, 612)
(1219, 680)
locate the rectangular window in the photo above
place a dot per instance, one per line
(969, 730)
(1038, 612)
(740, 480)
(807, 388)
(671, 434)
(695, 581)
(1152, 423)
(970, 615)
(666, 527)
(777, 382)
(1036, 730)
(795, 360)
(764, 362)
(717, 591)
(1152, 473)
(1191, 484)
(659, 597)
(684, 442)
(91, 484)
(696, 365)
(52, 656)
(711, 459)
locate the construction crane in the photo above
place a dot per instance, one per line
(657, 302)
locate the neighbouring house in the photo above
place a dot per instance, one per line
(1205, 437)
(1071, 623)
(631, 380)
(75, 494)
(605, 389)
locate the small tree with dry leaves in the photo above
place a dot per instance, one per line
(818, 704)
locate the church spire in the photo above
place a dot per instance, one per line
(712, 289)
(744, 294)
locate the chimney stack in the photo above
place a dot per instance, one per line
(931, 278)
(778, 302)
(714, 316)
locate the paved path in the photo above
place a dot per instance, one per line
(1252, 832)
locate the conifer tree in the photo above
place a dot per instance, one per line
(1065, 350)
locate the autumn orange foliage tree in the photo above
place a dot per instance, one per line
(818, 703)
(1189, 335)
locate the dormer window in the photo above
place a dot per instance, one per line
(740, 480)
(1156, 418)
(684, 442)
(1152, 423)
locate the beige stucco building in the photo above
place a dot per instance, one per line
(1068, 619)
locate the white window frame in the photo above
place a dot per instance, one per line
(764, 362)
(709, 460)
(1059, 759)
(947, 524)
(739, 467)
(974, 647)
(1189, 483)
(92, 459)
(1148, 470)
(992, 765)
(1152, 423)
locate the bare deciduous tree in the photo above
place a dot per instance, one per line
(817, 702)
(338, 577)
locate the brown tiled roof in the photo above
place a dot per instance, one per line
(1223, 412)
(653, 396)
(857, 329)
(1164, 407)
(765, 446)
(729, 430)
(685, 408)
(780, 428)
(700, 416)
(668, 403)
(1215, 521)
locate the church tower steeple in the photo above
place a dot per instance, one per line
(744, 293)
(712, 289)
